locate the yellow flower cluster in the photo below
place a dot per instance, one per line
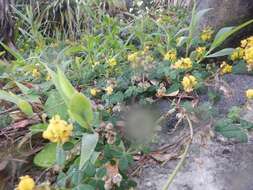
(206, 34)
(249, 93)
(58, 131)
(248, 52)
(183, 63)
(200, 52)
(189, 83)
(133, 57)
(247, 42)
(171, 55)
(26, 183)
(146, 49)
(48, 77)
(140, 58)
(245, 52)
(93, 91)
(237, 54)
(225, 68)
(35, 73)
(112, 62)
(109, 90)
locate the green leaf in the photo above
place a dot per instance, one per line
(12, 52)
(74, 50)
(29, 94)
(222, 32)
(21, 103)
(182, 31)
(231, 131)
(94, 157)
(245, 124)
(240, 68)
(65, 86)
(123, 163)
(90, 169)
(181, 41)
(56, 105)
(25, 107)
(80, 109)
(225, 33)
(38, 128)
(173, 88)
(23, 88)
(89, 142)
(46, 157)
(195, 18)
(101, 172)
(8, 97)
(2, 53)
(223, 52)
(116, 97)
(60, 155)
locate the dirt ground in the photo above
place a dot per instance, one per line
(219, 165)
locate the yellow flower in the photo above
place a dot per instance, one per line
(247, 43)
(248, 56)
(249, 93)
(26, 183)
(171, 55)
(96, 63)
(93, 91)
(189, 83)
(237, 54)
(183, 63)
(132, 57)
(225, 68)
(206, 34)
(35, 73)
(48, 77)
(146, 49)
(244, 43)
(58, 130)
(112, 62)
(200, 52)
(109, 90)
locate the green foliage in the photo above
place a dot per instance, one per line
(233, 127)
(88, 145)
(225, 33)
(22, 104)
(46, 158)
(55, 105)
(80, 110)
(85, 63)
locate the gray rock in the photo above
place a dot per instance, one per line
(228, 13)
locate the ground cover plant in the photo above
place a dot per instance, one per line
(78, 65)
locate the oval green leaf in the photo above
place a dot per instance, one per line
(80, 109)
(46, 157)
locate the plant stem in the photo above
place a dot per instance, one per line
(180, 163)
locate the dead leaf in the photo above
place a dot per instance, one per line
(172, 94)
(112, 170)
(163, 157)
(25, 122)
